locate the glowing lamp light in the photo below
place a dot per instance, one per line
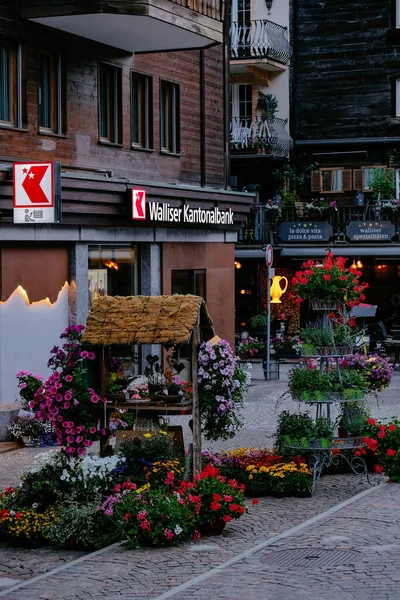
(243, 292)
(237, 264)
(359, 264)
(353, 265)
(111, 264)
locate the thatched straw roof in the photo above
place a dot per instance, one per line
(146, 320)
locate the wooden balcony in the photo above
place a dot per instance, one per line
(134, 25)
(346, 224)
(255, 135)
(260, 43)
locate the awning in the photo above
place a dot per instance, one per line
(389, 252)
(374, 251)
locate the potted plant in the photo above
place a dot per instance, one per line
(259, 323)
(353, 419)
(353, 385)
(250, 348)
(267, 105)
(328, 285)
(286, 346)
(294, 429)
(324, 432)
(383, 185)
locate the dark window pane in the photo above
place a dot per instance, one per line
(104, 95)
(5, 84)
(169, 117)
(47, 85)
(141, 110)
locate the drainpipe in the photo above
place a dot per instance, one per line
(226, 63)
(202, 120)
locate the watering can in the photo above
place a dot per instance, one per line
(276, 290)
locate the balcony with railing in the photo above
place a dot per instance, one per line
(257, 135)
(134, 25)
(261, 42)
(269, 223)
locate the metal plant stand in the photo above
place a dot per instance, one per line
(324, 457)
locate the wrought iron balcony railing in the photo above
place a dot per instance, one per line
(260, 39)
(261, 226)
(253, 134)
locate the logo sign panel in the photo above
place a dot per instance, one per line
(368, 231)
(155, 212)
(305, 232)
(34, 195)
(138, 205)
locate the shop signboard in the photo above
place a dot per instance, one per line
(160, 212)
(370, 231)
(305, 232)
(37, 192)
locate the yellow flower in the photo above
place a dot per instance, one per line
(250, 476)
(147, 435)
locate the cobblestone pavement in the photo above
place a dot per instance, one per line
(368, 526)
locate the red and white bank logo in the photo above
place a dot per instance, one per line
(138, 205)
(33, 185)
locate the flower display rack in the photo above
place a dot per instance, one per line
(341, 450)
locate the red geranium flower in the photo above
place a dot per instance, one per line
(378, 469)
(391, 452)
(392, 427)
(255, 501)
(371, 421)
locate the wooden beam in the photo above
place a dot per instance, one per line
(196, 406)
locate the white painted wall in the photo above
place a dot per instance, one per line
(27, 334)
(279, 11)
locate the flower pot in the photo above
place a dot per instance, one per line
(325, 442)
(261, 331)
(286, 354)
(153, 390)
(323, 305)
(26, 440)
(288, 440)
(305, 396)
(308, 350)
(168, 398)
(342, 432)
(348, 393)
(304, 442)
(215, 528)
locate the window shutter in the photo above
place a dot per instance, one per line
(315, 181)
(358, 183)
(346, 180)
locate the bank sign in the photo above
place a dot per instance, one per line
(37, 192)
(159, 212)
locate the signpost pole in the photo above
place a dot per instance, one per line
(269, 259)
(268, 361)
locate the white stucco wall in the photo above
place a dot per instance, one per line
(27, 334)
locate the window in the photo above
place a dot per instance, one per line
(241, 100)
(142, 100)
(189, 282)
(110, 104)
(50, 93)
(331, 180)
(397, 96)
(11, 84)
(169, 117)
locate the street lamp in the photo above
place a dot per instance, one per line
(269, 4)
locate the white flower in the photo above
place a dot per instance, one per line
(178, 530)
(35, 505)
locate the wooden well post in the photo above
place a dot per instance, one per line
(197, 463)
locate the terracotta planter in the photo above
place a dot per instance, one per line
(212, 528)
(167, 398)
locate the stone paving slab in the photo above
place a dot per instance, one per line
(370, 528)
(147, 573)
